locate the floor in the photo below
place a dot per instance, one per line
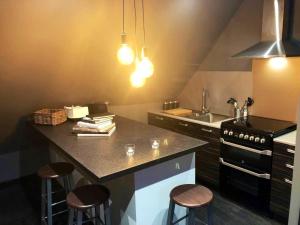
(20, 206)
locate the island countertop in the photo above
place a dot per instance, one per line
(105, 158)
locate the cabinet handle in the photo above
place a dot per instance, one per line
(183, 124)
(289, 166)
(288, 181)
(159, 118)
(207, 130)
(290, 151)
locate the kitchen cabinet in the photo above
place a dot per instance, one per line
(282, 174)
(207, 159)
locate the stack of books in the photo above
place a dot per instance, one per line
(101, 125)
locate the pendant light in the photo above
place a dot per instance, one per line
(145, 66)
(125, 53)
(137, 79)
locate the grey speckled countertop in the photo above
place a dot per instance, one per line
(105, 158)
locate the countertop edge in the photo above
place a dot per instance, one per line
(287, 139)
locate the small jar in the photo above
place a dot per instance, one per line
(165, 105)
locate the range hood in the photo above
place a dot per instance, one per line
(277, 29)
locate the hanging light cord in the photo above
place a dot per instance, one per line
(144, 30)
(123, 16)
(135, 25)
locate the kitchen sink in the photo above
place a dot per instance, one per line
(206, 117)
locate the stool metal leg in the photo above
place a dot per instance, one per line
(43, 202)
(71, 216)
(70, 182)
(66, 185)
(79, 217)
(107, 215)
(191, 217)
(93, 214)
(171, 212)
(97, 208)
(209, 214)
(49, 201)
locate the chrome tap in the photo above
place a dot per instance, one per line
(204, 109)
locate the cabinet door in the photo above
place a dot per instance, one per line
(207, 162)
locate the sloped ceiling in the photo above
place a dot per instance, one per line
(57, 52)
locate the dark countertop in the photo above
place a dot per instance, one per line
(105, 158)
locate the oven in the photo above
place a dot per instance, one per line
(246, 170)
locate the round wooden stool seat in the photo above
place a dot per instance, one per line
(55, 170)
(88, 196)
(191, 195)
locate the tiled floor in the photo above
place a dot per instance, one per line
(20, 206)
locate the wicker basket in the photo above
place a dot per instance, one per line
(50, 116)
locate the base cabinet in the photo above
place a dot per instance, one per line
(282, 174)
(207, 159)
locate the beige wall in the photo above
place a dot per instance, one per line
(221, 85)
(276, 91)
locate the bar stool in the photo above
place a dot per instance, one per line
(89, 198)
(190, 196)
(59, 170)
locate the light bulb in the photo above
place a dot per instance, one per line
(278, 63)
(145, 67)
(137, 80)
(125, 54)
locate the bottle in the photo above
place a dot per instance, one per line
(176, 104)
(165, 105)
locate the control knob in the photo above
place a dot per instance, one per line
(230, 133)
(257, 139)
(263, 140)
(251, 138)
(225, 131)
(241, 135)
(246, 137)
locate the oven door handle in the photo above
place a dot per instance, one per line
(259, 175)
(262, 152)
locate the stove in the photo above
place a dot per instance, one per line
(246, 155)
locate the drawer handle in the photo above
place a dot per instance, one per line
(288, 181)
(183, 124)
(207, 130)
(290, 151)
(159, 118)
(289, 166)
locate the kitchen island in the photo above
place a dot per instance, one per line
(140, 184)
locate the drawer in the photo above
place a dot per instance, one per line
(283, 149)
(161, 121)
(280, 197)
(282, 165)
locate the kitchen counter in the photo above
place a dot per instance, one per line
(215, 124)
(288, 139)
(105, 157)
(140, 185)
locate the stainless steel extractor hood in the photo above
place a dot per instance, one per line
(277, 28)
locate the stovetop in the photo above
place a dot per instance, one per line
(268, 126)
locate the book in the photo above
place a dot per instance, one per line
(98, 116)
(97, 134)
(96, 121)
(95, 126)
(78, 129)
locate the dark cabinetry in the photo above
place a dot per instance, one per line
(207, 159)
(282, 174)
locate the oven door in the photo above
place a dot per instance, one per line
(246, 171)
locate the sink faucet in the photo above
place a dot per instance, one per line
(204, 109)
